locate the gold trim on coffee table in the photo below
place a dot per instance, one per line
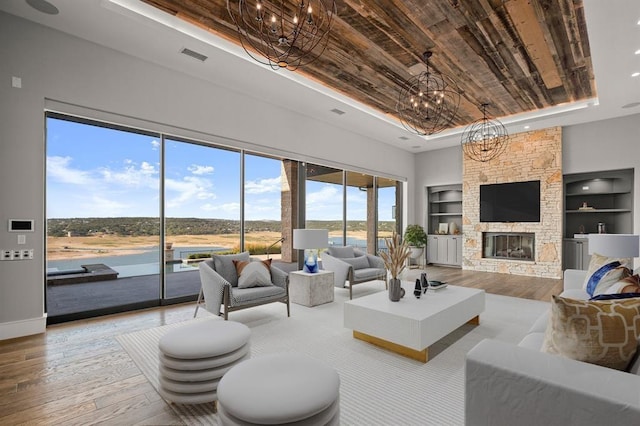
(422, 356)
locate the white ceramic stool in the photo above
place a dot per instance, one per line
(194, 357)
(279, 389)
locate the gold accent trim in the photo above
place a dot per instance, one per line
(422, 356)
(475, 320)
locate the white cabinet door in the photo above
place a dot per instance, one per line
(432, 249)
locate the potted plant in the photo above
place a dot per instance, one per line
(416, 239)
(395, 259)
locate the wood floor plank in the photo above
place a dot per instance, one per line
(78, 374)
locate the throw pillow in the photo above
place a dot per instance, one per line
(630, 284)
(602, 273)
(341, 252)
(253, 274)
(599, 332)
(360, 262)
(223, 264)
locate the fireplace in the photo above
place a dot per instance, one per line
(509, 245)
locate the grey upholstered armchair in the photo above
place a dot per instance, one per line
(353, 265)
(219, 286)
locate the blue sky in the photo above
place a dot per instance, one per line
(99, 172)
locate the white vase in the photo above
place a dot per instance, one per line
(415, 252)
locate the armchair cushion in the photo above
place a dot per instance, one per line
(368, 274)
(359, 262)
(253, 274)
(341, 252)
(223, 264)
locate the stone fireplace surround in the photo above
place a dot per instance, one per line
(535, 155)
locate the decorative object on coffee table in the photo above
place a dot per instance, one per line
(417, 290)
(395, 259)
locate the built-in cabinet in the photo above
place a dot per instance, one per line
(444, 217)
(444, 249)
(575, 253)
(595, 202)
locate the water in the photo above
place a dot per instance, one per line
(147, 260)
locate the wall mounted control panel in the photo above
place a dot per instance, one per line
(22, 254)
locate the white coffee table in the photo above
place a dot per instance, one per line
(410, 326)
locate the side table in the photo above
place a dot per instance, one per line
(311, 289)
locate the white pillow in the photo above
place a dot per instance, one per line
(253, 274)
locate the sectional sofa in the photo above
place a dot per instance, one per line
(510, 384)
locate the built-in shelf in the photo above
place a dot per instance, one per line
(585, 211)
(610, 196)
(444, 217)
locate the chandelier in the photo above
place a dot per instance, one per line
(484, 139)
(429, 101)
(283, 33)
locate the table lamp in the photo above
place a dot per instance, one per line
(310, 240)
(615, 245)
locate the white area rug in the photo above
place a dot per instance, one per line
(377, 387)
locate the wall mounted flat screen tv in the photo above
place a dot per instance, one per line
(510, 202)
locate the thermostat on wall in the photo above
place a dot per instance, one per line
(20, 225)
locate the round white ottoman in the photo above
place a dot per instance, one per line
(194, 357)
(279, 389)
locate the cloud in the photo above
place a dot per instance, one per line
(58, 169)
(144, 176)
(200, 170)
(180, 192)
(262, 186)
(155, 145)
(328, 194)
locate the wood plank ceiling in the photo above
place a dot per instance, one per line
(517, 55)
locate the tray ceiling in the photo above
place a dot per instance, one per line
(517, 55)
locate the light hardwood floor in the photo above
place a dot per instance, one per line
(77, 373)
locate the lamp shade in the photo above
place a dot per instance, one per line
(615, 245)
(310, 238)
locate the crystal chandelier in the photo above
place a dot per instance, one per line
(429, 102)
(283, 33)
(484, 139)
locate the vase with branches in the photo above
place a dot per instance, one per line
(395, 260)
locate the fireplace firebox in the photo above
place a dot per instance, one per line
(509, 245)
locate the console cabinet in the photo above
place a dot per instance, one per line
(575, 253)
(444, 250)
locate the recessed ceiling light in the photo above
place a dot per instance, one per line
(638, 52)
(527, 127)
(635, 74)
(337, 111)
(631, 105)
(404, 138)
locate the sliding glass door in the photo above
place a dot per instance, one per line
(201, 210)
(103, 218)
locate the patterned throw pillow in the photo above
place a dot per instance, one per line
(599, 332)
(603, 272)
(253, 274)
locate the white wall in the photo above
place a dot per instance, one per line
(57, 69)
(433, 168)
(605, 145)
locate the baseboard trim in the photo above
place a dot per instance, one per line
(27, 327)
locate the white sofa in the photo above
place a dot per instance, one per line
(510, 384)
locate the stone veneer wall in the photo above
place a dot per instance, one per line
(535, 155)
